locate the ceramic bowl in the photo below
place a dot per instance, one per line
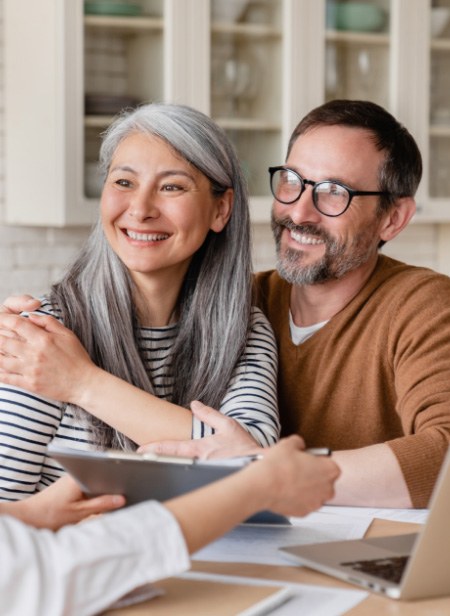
(439, 20)
(359, 17)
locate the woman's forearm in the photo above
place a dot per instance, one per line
(139, 415)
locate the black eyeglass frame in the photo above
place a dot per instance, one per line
(304, 182)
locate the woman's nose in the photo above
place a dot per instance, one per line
(143, 205)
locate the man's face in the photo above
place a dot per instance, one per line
(314, 248)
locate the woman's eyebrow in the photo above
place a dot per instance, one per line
(161, 174)
(122, 168)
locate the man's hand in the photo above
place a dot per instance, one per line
(61, 503)
(15, 304)
(41, 355)
(230, 438)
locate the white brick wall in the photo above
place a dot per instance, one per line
(32, 258)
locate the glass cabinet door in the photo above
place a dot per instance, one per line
(357, 53)
(439, 165)
(246, 82)
(123, 66)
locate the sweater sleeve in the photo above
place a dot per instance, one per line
(251, 398)
(83, 569)
(419, 343)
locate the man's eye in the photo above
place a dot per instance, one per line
(335, 189)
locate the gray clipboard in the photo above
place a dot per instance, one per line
(142, 477)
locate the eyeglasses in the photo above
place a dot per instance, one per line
(329, 198)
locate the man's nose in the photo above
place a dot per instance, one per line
(303, 210)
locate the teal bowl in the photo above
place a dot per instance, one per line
(359, 17)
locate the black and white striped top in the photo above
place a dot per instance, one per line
(29, 422)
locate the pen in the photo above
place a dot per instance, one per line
(319, 451)
(314, 451)
(266, 606)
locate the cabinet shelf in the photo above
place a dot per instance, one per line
(440, 130)
(440, 44)
(124, 24)
(247, 124)
(357, 38)
(246, 30)
(97, 121)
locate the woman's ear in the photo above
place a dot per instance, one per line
(396, 219)
(224, 207)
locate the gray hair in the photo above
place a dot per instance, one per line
(97, 296)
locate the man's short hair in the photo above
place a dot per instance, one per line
(401, 170)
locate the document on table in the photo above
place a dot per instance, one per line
(298, 598)
(259, 543)
(417, 516)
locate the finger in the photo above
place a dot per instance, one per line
(10, 346)
(25, 327)
(214, 419)
(101, 504)
(47, 322)
(16, 304)
(186, 449)
(297, 441)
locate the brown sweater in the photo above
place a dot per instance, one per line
(378, 371)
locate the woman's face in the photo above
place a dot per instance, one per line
(157, 209)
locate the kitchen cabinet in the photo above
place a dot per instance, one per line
(70, 65)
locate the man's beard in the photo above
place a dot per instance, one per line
(339, 258)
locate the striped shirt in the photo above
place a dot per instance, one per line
(28, 422)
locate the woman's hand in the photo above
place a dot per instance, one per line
(39, 354)
(61, 503)
(295, 483)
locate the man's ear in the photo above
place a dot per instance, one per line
(396, 219)
(224, 207)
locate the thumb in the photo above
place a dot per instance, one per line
(214, 419)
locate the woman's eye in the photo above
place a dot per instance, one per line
(172, 188)
(124, 183)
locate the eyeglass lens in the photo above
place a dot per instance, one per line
(329, 198)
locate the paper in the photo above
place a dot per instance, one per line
(259, 543)
(305, 598)
(417, 516)
(142, 593)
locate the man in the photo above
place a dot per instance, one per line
(364, 340)
(83, 569)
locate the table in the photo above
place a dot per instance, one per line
(183, 598)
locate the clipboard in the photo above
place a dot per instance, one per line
(142, 477)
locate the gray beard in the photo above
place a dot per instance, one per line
(339, 258)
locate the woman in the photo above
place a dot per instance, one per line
(160, 300)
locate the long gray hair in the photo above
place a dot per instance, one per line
(97, 296)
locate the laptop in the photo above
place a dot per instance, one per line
(411, 566)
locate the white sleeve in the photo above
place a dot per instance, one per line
(83, 569)
(251, 398)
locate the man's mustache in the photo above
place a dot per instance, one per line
(301, 229)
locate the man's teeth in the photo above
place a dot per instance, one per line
(147, 237)
(305, 239)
